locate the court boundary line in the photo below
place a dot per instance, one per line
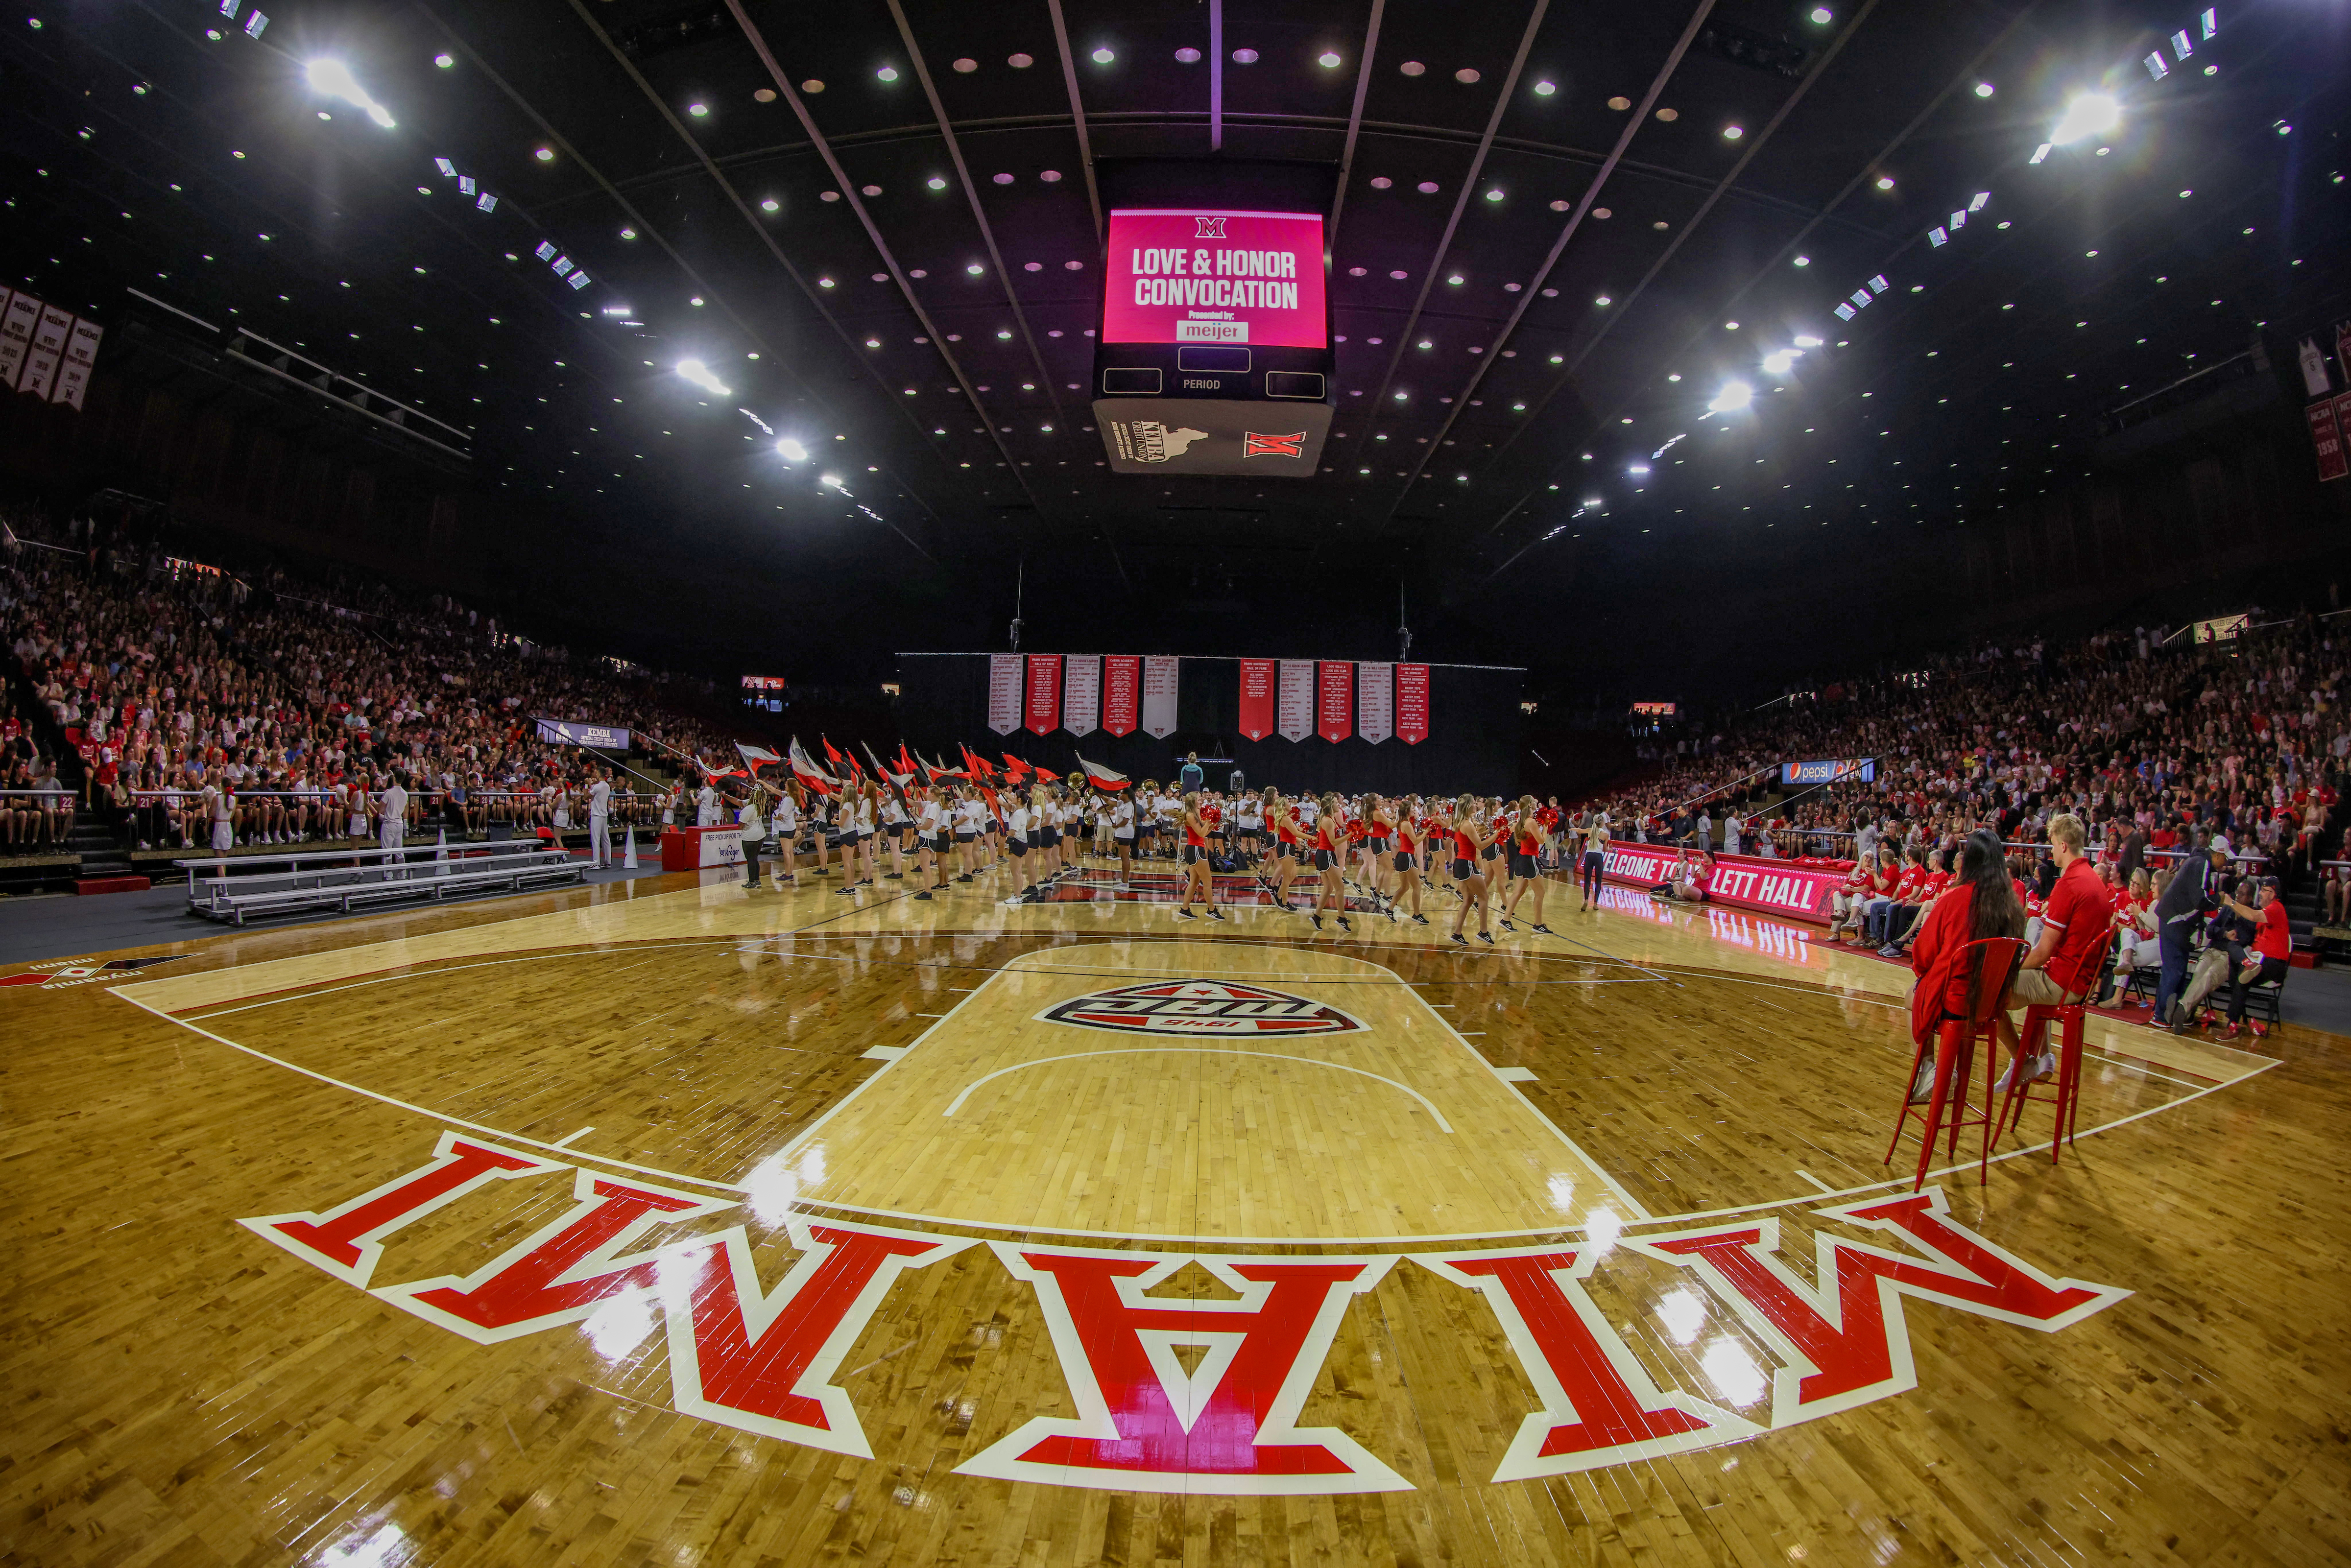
(956, 1104)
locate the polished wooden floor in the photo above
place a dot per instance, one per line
(666, 1223)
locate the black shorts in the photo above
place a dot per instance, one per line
(1404, 859)
(1462, 870)
(1048, 836)
(1379, 846)
(1124, 841)
(1522, 865)
(965, 838)
(1194, 854)
(1325, 859)
(1019, 846)
(1285, 850)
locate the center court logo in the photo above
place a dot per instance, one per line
(1216, 1007)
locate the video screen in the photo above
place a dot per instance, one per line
(1201, 276)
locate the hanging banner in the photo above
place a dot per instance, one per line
(1333, 710)
(1003, 693)
(1158, 697)
(1294, 710)
(1375, 701)
(1044, 692)
(2326, 436)
(1081, 693)
(18, 313)
(47, 350)
(1257, 698)
(1121, 693)
(2342, 406)
(1412, 703)
(81, 357)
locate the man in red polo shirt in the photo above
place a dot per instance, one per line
(2267, 955)
(2076, 929)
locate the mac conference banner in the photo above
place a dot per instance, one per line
(1003, 693)
(1257, 698)
(1375, 702)
(1412, 703)
(1333, 712)
(1158, 697)
(1121, 693)
(1081, 693)
(1294, 710)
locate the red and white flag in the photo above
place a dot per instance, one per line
(805, 769)
(756, 757)
(1102, 777)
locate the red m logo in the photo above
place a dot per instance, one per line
(1208, 228)
(1256, 446)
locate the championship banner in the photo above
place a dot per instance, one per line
(1333, 715)
(1158, 697)
(1257, 698)
(19, 312)
(1775, 887)
(1003, 693)
(1044, 692)
(81, 358)
(2326, 435)
(1081, 693)
(1375, 702)
(1121, 689)
(1412, 703)
(1829, 771)
(1294, 710)
(46, 353)
(2342, 415)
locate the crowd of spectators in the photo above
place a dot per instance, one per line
(2147, 737)
(296, 700)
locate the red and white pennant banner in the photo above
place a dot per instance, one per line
(1121, 693)
(1294, 710)
(1044, 692)
(1003, 693)
(1256, 715)
(1375, 702)
(1082, 693)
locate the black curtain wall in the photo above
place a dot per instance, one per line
(1472, 745)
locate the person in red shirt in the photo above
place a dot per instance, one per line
(2136, 943)
(2267, 957)
(1196, 865)
(2076, 928)
(1982, 904)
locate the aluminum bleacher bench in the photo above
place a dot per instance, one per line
(377, 877)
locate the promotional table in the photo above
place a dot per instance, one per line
(691, 849)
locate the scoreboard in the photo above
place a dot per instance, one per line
(1214, 353)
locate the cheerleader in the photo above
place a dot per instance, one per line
(1379, 839)
(1285, 846)
(932, 837)
(1526, 845)
(1470, 838)
(1330, 857)
(1197, 864)
(1406, 866)
(785, 823)
(1594, 835)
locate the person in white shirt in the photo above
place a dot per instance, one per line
(931, 843)
(600, 819)
(785, 821)
(1016, 841)
(1122, 837)
(751, 821)
(1732, 828)
(705, 806)
(220, 810)
(392, 814)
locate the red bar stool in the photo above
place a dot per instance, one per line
(2068, 1087)
(1990, 964)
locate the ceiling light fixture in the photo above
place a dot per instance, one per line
(791, 451)
(334, 78)
(2088, 114)
(695, 371)
(1733, 397)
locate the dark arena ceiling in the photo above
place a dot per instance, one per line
(1558, 232)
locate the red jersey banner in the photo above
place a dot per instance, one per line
(2326, 436)
(1081, 693)
(1044, 692)
(1333, 705)
(2342, 457)
(1294, 713)
(1257, 698)
(1375, 702)
(1121, 693)
(1003, 693)
(1412, 703)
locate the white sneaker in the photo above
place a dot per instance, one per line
(1922, 1082)
(2045, 1066)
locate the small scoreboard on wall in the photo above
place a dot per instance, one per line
(1213, 355)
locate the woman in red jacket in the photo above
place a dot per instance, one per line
(1980, 901)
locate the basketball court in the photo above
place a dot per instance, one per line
(662, 1221)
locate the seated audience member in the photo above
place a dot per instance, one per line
(1981, 903)
(2076, 928)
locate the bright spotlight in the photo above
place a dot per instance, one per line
(1637, 469)
(1734, 396)
(699, 374)
(2090, 114)
(334, 78)
(830, 481)
(1806, 340)
(1780, 361)
(791, 451)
